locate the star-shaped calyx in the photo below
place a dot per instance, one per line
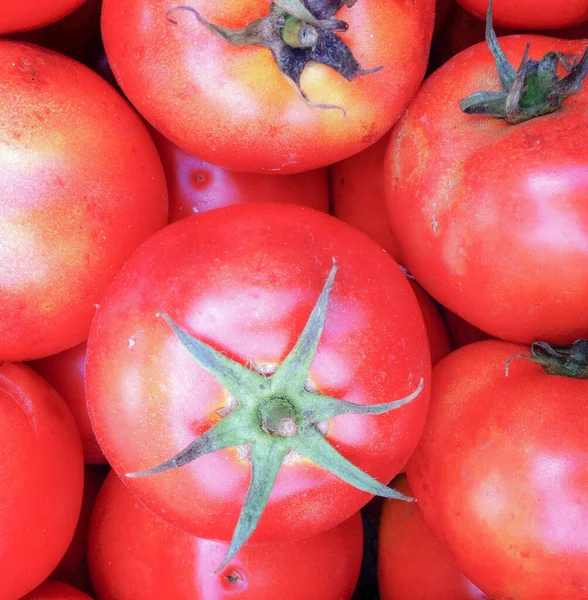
(531, 91)
(296, 32)
(276, 415)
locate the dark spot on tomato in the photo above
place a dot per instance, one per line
(234, 580)
(199, 179)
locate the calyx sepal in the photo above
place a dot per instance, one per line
(568, 361)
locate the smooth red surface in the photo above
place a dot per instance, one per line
(41, 470)
(492, 219)
(81, 185)
(66, 372)
(30, 14)
(55, 590)
(501, 473)
(531, 14)
(244, 279)
(232, 107)
(196, 186)
(413, 564)
(135, 555)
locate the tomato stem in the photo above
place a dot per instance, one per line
(570, 361)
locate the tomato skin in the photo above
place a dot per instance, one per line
(196, 186)
(66, 372)
(413, 564)
(236, 108)
(55, 590)
(470, 224)
(531, 14)
(30, 14)
(41, 469)
(133, 551)
(501, 473)
(244, 279)
(81, 185)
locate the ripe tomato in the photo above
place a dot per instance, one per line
(30, 14)
(244, 279)
(41, 469)
(55, 590)
(66, 372)
(81, 185)
(501, 473)
(230, 105)
(196, 186)
(413, 564)
(531, 14)
(492, 218)
(125, 567)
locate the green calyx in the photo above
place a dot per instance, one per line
(569, 361)
(531, 91)
(296, 32)
(275, 415)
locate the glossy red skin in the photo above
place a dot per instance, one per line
(413, 564)
(66, 372)
(81, 185)
(501, 473)
(55, 590)
(41, 469)
(73, 567)
(491, 219)
(232, 107)
(531, 14)
(30, 14)
(196, 186)
(244, 279)
(135, 555)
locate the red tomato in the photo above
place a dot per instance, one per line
(231, 106)
(491, 218)
(55, 590)
(501, 473)
(30, 14)
(41, 469)
(244, 279)
(66, 372)
(531, 14)
(196, 186)
(413, 564)
(461, 332)
(81, 185)
(133, 552)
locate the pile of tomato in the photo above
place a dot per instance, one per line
(293, 300)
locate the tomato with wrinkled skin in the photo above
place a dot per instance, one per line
(41, 470)
(531, 14)
(244, 279)
(231, 106)
(30, 14)
(135, 555)
(196, 186)
(413, 564)
(55, 590)
(81, 185)
(492, 218)
(501, 473)
(66, 372)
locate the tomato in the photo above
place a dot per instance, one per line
(230, 105)
(66, 372)
(55, 590)
(492, 218)
(501, 473)
(461, 332)
(244, 279)
(413, 564)
(135, 555)
(30, 14)
(41, 469)
(197, 186)
(531, 14)
(81, 186)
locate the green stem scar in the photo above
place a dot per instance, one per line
(532, 90)
(274, 416)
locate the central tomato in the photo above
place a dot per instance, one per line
(240, 283)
